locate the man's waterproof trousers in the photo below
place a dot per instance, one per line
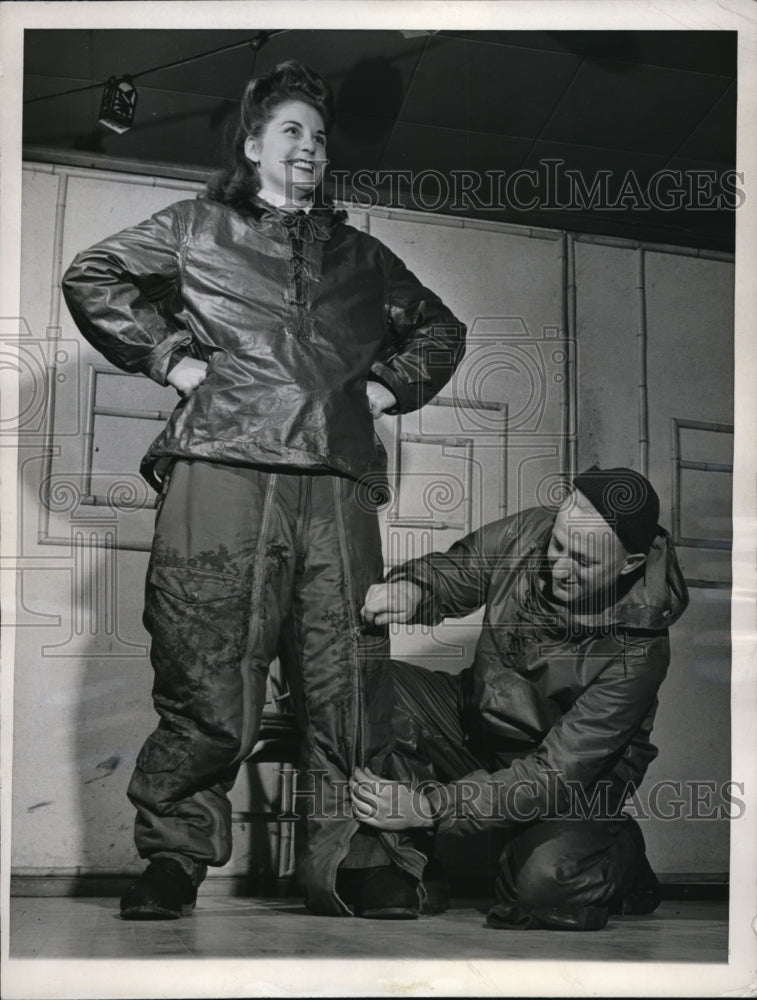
(552, 872)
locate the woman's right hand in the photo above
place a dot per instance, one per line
(187, 375)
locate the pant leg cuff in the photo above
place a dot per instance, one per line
(194, 869)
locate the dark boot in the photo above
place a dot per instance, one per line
(510, 917)
(163, 891)
(436, 884)
(384, 893)
(644, 895)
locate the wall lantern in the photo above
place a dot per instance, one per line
(119, 104)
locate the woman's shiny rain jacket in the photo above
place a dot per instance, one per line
(293, 314)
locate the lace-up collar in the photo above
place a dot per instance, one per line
(311, 225)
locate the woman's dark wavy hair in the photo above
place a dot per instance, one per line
(238, 182)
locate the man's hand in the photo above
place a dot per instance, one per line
(387, 805)
(391, 602)
(380, 399)
(187, 375)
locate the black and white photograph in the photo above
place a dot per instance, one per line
(379, 499)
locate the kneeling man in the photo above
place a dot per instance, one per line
(548, 732)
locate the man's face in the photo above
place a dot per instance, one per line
(586, 558)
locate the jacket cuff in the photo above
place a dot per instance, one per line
(459, 812)
(436, 798)
(159, 364)
(441, 805)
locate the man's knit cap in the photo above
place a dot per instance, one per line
(626, 500)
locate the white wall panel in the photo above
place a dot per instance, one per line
(82, 683)
(686, 316)
(690, 377)
(606, 315)
(508, 290)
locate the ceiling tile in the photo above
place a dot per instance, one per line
(707, 182)
(574, 171)
(472, 86)
(714, 138)
(337, 55)
(619, 106)
(195, 128)
(527, 39)
(438, 93)
(423, 147)
(357, 144)
(497, 152)
(698, 51)
(372, 87)
(221, 75)
(47, 124)
(711, 52)
(420, 147)
(515, 91)
(49, 53)
(443, 166)
(657, 207)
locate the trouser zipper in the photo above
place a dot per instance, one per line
(255, 615)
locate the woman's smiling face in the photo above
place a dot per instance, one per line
(290, 154)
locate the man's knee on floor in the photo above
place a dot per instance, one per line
(538, 887)
(550, 880)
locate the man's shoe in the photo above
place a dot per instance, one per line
(384, 893)
(644, 896)
(163, 891)
(585, 918)
(510, 917)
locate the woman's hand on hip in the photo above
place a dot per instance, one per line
(380, 399)
(187, 375)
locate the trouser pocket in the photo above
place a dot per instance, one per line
(199, 623)
(161, 753)
(164, 771)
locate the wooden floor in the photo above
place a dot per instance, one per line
(228, 927)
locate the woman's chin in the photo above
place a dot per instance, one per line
(564, 593)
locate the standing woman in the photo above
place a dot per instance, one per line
(285, 332)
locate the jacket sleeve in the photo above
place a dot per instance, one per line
(455, 583)
(582, 746)
(120, 294)
(428, 340)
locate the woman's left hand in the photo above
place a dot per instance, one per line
(380, 399)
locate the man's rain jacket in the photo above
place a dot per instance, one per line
(558, 708)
